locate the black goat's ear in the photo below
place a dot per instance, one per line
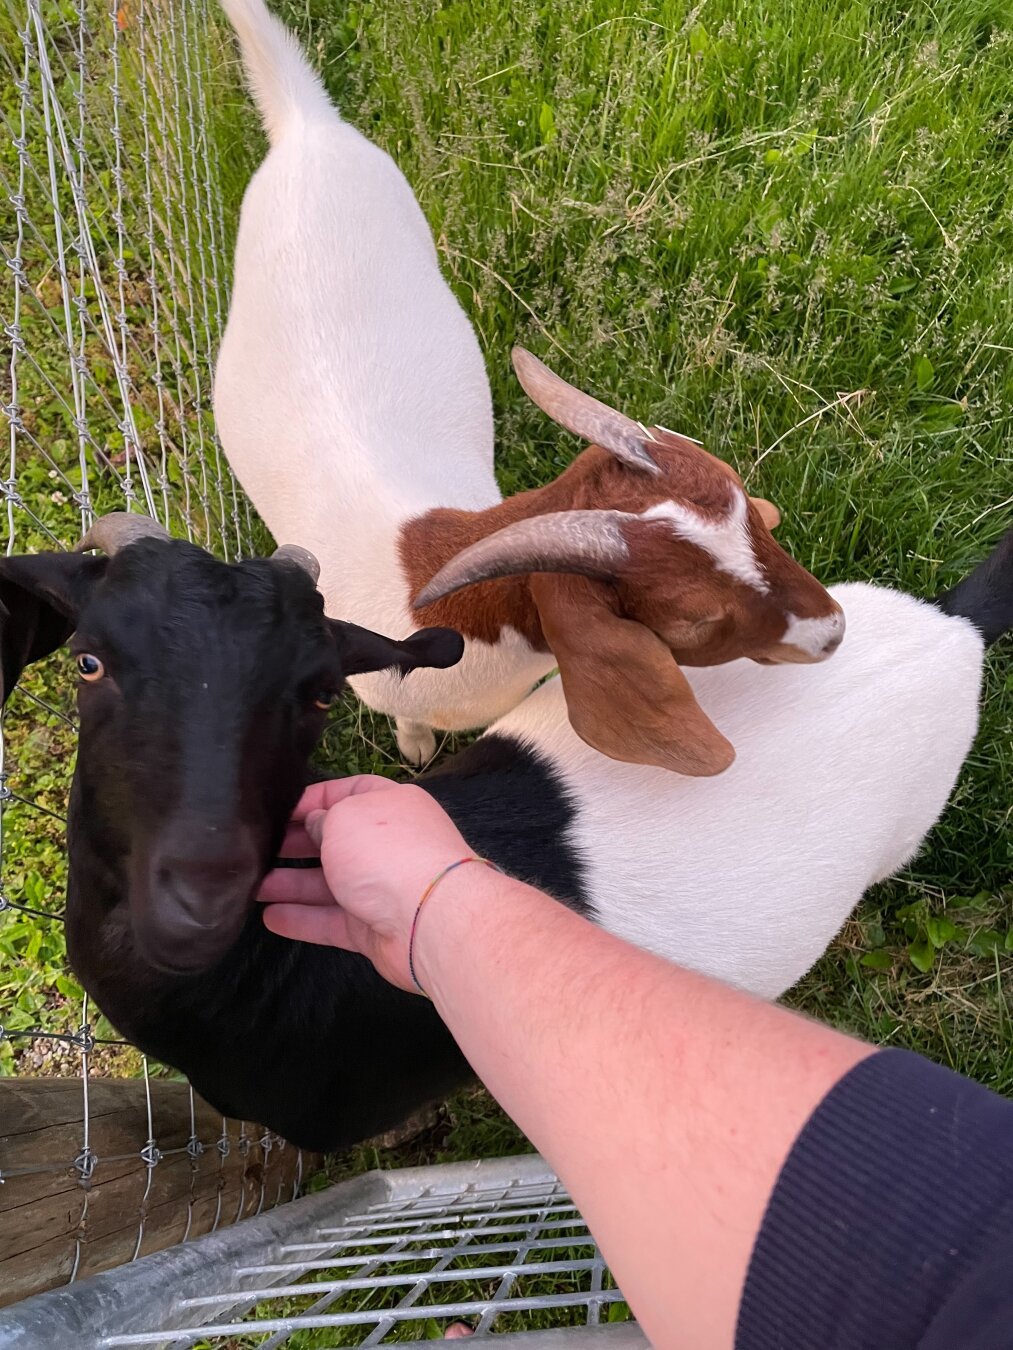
(41, 595)
(362, 650)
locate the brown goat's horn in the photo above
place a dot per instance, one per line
(118, 529)
(589, 543)
(301, 557)
(583, 415)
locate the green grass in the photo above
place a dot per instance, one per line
(782, 230)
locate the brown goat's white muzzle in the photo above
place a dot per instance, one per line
(807, 641)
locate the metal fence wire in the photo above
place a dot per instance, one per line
(112, 300)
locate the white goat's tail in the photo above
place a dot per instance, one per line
(284, 85)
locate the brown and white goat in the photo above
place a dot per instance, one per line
(353, 404)
(644, 555)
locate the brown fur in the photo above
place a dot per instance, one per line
(625, 696)
(661, 569)
(619, 644)
(593, 480)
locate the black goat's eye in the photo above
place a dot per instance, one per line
(324, 699)
(90, 668)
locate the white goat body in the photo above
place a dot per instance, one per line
(350, 392)
(842, 769)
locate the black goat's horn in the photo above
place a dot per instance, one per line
(118, 529)
(589, 543)
(585, 416)
(301, 557)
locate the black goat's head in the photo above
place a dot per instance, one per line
(203, 689)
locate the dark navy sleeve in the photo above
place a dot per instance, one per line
(890, 1226)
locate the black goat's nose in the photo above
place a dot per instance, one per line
(204, 885)
(196, 898)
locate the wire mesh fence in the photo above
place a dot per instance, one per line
(112, 301)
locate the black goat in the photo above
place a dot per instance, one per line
(203, 692)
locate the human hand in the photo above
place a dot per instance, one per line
(380, 845)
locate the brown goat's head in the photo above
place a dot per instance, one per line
(663, 560)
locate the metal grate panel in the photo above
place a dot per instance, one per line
(387, 1258)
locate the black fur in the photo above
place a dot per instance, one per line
(510, 806)
(985, 596)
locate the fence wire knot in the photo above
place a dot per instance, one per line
(194, 1148)
(17, 341)
(151, 1154)
(85, 1164)
(20, 275)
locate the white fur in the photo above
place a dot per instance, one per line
(841, 770)
(727, 541)
(350, 392)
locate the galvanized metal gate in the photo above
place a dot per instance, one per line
(389, 1257)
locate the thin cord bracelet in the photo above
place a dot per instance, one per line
(472, 858)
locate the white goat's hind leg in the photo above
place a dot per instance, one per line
(415, 740)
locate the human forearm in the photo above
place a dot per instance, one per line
(680, 1113)
(565, 1024)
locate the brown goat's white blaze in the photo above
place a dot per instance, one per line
(725, 539)
(728, 542)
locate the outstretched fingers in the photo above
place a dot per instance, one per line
(322, 796)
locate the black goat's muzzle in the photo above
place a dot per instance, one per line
(194, 899)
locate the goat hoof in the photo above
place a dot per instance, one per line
(416, 742)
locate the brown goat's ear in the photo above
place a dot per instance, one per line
(40, 597)
(624, 692)
(768, 512)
